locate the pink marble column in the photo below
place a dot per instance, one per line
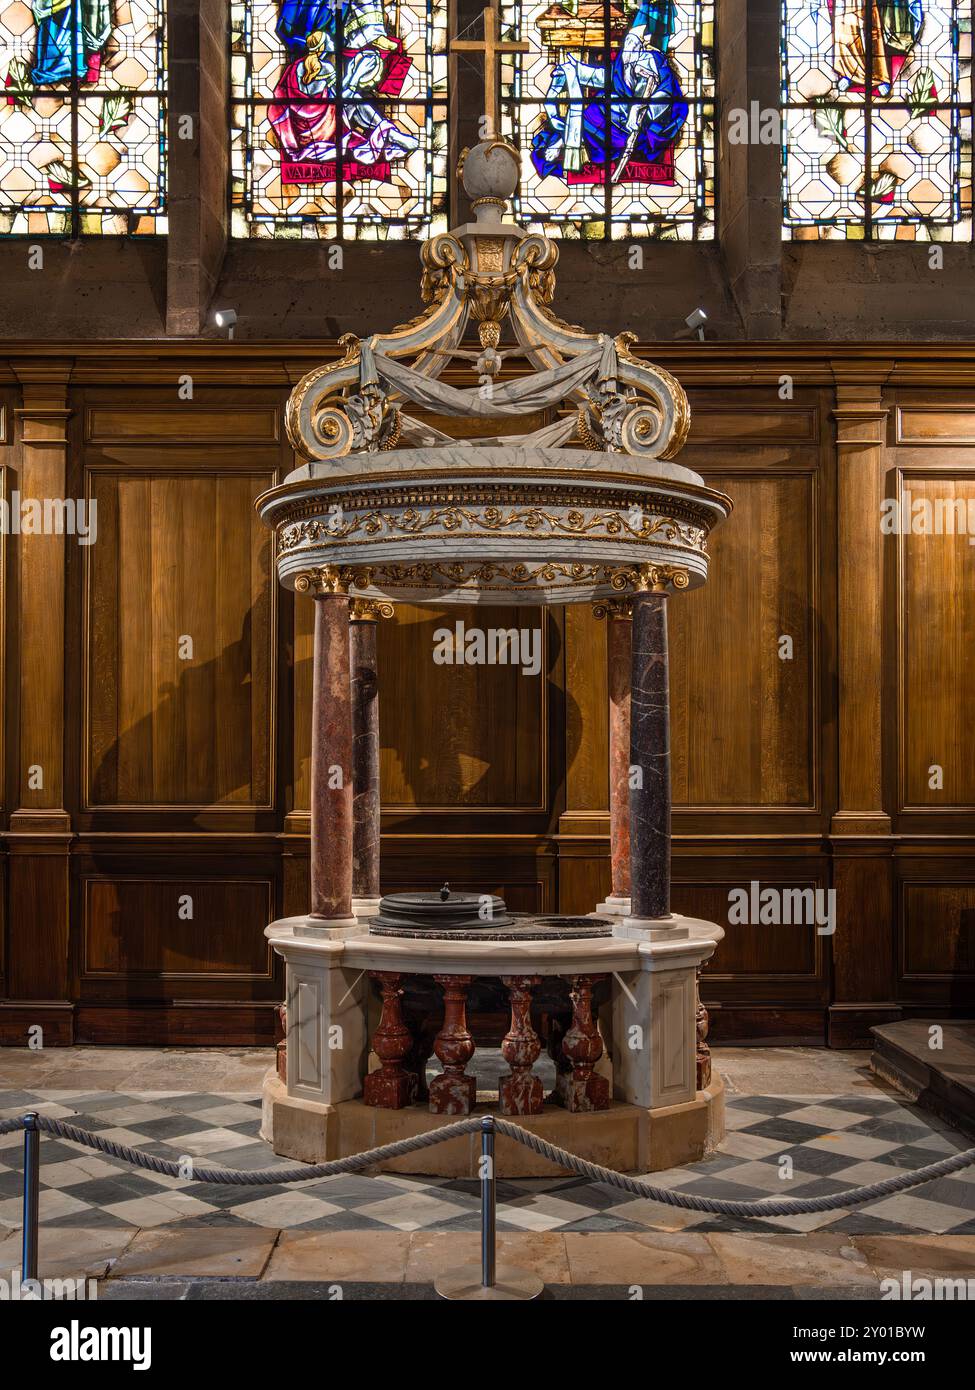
(364, 615)
(331, 755)
(618, 641)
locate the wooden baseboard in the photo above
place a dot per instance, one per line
(850, 1024)
(761, 1026)
(55, 1018)
(197, 1024)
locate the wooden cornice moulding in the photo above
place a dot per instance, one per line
(281, 362)
(35, 368)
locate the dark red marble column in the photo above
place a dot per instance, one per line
(364, 615)
(619, 644)
(650, 758)
(331, 761)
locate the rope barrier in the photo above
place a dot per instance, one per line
(596, 1172)
(243, 1177)
(34, 1124)
(719, 1206)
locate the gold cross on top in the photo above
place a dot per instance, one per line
(492, 47)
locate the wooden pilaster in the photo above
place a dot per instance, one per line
(863, 949)
(40, 827)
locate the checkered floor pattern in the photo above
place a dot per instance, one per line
(832, 1143)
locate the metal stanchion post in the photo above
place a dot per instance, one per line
(488, 1280)
(32, 1180)
(489, 1204)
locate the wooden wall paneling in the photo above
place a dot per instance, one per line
(189, 748)
(586, 726)
(764, 981)
(748, 746)
(137, 944)
(932, 611)
(585, 875)
(864, 992)
(461, 739)
(40, 827)
(744, 718)
(861, 416)
(522, 869)
(936, 933)
(304, 650)
(175, 562)
(147, 973)
(784, 772)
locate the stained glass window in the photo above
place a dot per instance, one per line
(322, 86)
(82, 117)
(877, 119)
(613, 107)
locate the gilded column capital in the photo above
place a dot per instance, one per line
(659, 579)
(620, 609)
(326, 579)
(369, 610)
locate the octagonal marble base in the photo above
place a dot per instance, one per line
(625, 1137)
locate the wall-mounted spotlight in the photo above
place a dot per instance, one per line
(226, 318)
(696, 321)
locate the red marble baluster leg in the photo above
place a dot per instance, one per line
(453, 1092)
(392, 1087)
(582, 1089)
(703, 1051)
(281, 1051)
(520, 1092)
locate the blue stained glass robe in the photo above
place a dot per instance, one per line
(664, 119)
(299, 18)
(69, 33)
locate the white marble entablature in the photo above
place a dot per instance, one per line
(464, 458)
(489, 524)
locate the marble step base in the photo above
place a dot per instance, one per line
(625, 1137)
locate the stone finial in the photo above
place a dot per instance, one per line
(491, 173)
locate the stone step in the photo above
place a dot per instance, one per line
(941, 1080)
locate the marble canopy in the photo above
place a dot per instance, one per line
(585, 505)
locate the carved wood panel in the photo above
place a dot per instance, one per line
(180, 641)
(743, 700)
(166, 937)
(459, 738)
(936, 612)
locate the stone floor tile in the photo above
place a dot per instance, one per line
(642, 1258)
(791, 1259)
(340, 1256)
(145, 1211)
(197, 1251)
(284, 1209)
(891, 1255)
(413, 1213)
(436, 1252)
(656, 1215)
(69, 1251)
(909, 1210)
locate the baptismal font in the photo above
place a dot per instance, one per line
(589, 508)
